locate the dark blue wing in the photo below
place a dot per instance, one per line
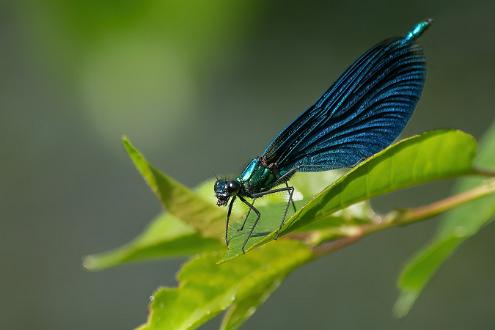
(363, 112)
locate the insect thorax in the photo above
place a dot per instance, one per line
(257, 177)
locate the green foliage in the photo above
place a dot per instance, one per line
(206, 288)
(179, 200)
(459, 224)
(166, 236)
(332, 214)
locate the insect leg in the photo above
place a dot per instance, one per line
(227, 222)
(285, 178)
(291, 192)
(258, 215)
(268, 192)
(247, 216)
(290, 196)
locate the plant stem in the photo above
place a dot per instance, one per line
(408, 216)
(484, 172)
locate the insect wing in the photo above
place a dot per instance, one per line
(360, 114)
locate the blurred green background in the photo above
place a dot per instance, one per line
(201, 87)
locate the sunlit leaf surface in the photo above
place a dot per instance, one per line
(179, 200)
(166, 236)
(206, 288)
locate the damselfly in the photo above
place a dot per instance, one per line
(363, 112)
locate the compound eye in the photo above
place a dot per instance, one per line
(232, 186)
(218, 185)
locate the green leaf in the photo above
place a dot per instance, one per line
(166, 236)
(419, 270)
(177, 199)
(459, 224)
(207, 288)
(410, 162)
(423, 158)
(244, 308)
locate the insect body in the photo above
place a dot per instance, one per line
(363, 112)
